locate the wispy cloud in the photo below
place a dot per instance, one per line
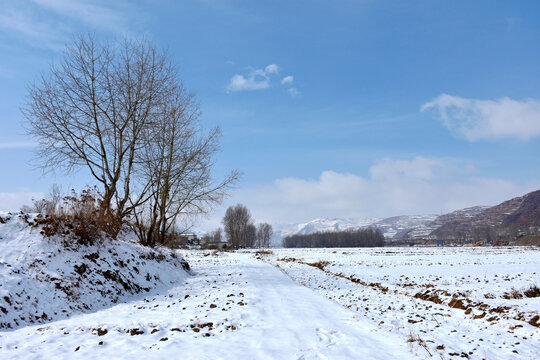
(17, 145)
(293, 91)
(486, 119)
(48, 24)
(288, 80)
(35, 32)
(97, 14)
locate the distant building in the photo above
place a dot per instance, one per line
(183, 240)
(207, 242)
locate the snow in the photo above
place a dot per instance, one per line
(453, 301)
(381, 303)
(42, 280)
(234, 306)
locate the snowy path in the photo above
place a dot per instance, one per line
(234, 307)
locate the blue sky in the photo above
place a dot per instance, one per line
(338, 109)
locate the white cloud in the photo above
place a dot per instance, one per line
(260, 79)
(14, 201)
(288, 80)
(257, 79)
(271, 69)
(242, 83)
(393, 187)
(486, 119)
(293, 91)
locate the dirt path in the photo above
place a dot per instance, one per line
(233, 307)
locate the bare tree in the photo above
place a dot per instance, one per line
(250, 236)
(264, 233)
(91, 110)
(120, 111)
(349, 238)
(238, 226)
(178, 169)
(217, 235)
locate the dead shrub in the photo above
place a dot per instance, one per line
(514, 294)
(82, 218)
(533, 291)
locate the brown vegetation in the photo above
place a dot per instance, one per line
(79, 218)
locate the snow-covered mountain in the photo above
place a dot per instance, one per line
(393, 228)
(321, 224)
(390, 227)
(410, 226)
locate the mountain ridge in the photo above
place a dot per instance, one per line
(515, 217)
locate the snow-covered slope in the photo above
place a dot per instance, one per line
(410, 225)
(42, 280)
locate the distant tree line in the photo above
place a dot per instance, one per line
(462, 235)
(352, 238)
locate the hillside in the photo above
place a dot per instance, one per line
(504, 222)
(458, 214)
(528, 213)
(405, 226)
(42, 279)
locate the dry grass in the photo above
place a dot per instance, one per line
(416, 339)
(319, 264)
(532, 292)
(264, 252)
(80, 219)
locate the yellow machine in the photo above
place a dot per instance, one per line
(479, 243)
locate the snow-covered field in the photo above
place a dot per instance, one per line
(384, 303)
(446, 302)
(235, 306)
